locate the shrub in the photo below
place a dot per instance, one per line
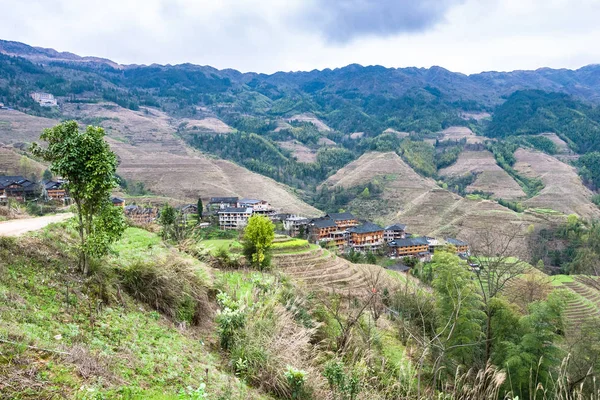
(231, 318)
(193, 394)
(296, 379)
(170, 285)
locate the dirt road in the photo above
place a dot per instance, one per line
(20, 226)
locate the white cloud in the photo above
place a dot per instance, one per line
(270, 35)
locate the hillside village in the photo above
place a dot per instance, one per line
(421, 234)
(340, 232)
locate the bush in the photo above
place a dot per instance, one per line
(171, 286)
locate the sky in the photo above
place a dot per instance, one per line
(466, 36)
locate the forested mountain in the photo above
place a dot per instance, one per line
(300, 128)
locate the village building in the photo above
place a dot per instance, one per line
(462, 248)
(219, 203)
(55, 190)
(393, 232)
(188, 209)
(234, 217)
(321, 229)
(18, 188)
(435, 244)
(118, 202)
(409, 247)
(367, 237)
(44, 99)
(141, 215)
(295, 225)
(261, 207)
(343, 220)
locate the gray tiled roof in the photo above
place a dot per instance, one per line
(366, 228)
(456, 242)
(340, 216)
(409, 242)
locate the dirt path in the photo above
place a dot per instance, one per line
(20, 226)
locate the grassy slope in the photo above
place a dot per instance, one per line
(129, 351)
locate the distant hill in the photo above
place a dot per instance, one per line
(196, 130)
(149, 152)
(533, 112)
(420, 203)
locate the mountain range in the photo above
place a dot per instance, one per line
(462, 149)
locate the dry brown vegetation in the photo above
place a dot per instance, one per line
(307, 117)
(10, 163)
(456, 133)
(208, 124)
(491, 178)
(150, 152)
(300, 151)
(563, 189)
(420, 203)
(17, 127)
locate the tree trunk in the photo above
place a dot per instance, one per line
(488, 335)
(82, 259)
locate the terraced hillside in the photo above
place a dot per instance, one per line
(585, 302)
(421, 204)
(10, 163)
(17, 127)
(322, 270)
(457, 133)
(491, 178)
(563, 189)
(150, 152)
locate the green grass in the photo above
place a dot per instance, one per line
(140, 245)
(298, 250)
(213, 245)
(290, 244)
(558, 280)
(136, 353)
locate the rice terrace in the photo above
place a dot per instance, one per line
(292, 200)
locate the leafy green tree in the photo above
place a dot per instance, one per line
(200, 207)
(85, 160)
(47, 175)
(258, 238)
(173, 223)
(365, 193)
(459, 312)
(531, 361)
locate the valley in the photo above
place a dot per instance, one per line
(357, 233)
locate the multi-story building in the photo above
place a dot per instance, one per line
(18, 187)
(234, 217)
(321, 229)
(261, 207)
(461, 247)
(367, 237)
(409, 247)
(343, 220)
(55, 190)
(393, 232)
(294, 225)
(44, 99)
(219, 203)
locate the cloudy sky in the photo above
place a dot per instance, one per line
(270, 35)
